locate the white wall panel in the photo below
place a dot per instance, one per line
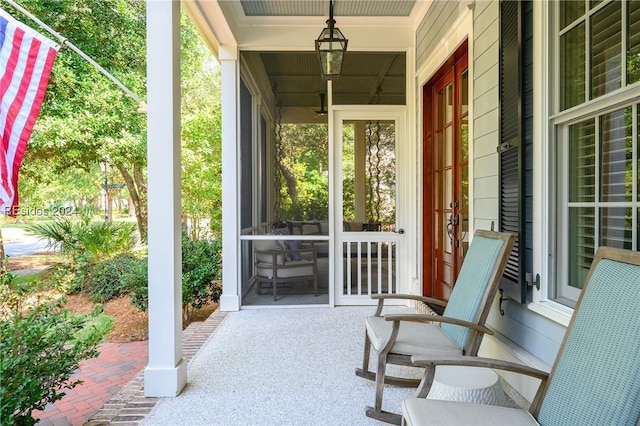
(436, 23)
(486, 123)
(486, 144)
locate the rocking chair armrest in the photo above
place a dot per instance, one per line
(303, 250)
(280, 252)
(415, 297)
(382, 297)
(472, 361)
(437, 318)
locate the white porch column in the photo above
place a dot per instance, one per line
(166, 373)
(230, 299)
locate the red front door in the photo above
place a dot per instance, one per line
(445, 177)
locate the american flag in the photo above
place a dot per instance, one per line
(26, 59)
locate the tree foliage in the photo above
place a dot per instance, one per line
(305, 153)
(85, 117)
(201, 135)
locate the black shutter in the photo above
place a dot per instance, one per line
(514, 150)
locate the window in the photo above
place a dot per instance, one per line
(596, 136)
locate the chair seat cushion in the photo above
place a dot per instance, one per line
(290, 269)
(413, 338)
(266, 248)
(417, 411)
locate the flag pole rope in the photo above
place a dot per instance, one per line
(64, 41)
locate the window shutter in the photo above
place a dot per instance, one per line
(515, 78)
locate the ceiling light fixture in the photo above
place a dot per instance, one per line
(330, 48)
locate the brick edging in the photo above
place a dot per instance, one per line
(130, 406)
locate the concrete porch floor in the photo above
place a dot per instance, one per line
(272, 367)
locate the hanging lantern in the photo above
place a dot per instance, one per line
(330, 48)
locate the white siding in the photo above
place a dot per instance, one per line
(485, 117)
(438, 20)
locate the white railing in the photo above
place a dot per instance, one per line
(369, 263)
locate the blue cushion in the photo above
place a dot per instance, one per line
(597, 377)
(466, 299)
(294, 245)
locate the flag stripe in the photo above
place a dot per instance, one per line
(26, 60)
(35, 103)
(23, 76)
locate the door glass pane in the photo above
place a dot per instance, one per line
(448, 145)
(615, 158)
(464, 162)
(570, 11)
(581, 244)
(348, 172)
(464, 90)
(439, 194)
(440, 110)
(448, 188)
(369, 174)
(616, 229)
(449, 105)
(572, 68)
(464, 140)
(465, 205)
(582, 166)
(381, 173)
(633, 42)
(440, 149)
(606, 57)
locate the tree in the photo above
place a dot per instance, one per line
(85, 117)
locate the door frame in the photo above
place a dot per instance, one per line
(338, 114)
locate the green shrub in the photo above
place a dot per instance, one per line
(201, 268)
(114, 277)
(140, 297)
(42, 345)
(86, 243)
(201, 263)
(85, 240)
(136, 275)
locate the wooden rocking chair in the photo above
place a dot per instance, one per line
(396, 338)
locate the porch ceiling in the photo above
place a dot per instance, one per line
(276, 37)
(320, 7)
(367, 78)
